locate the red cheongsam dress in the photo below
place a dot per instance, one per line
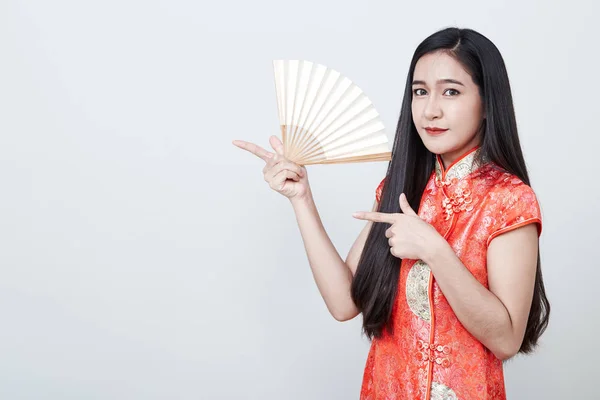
(430, 355)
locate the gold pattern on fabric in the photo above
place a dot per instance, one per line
(417, 286)
(460, 170)
(442, 392)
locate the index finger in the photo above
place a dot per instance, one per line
(375, 216)
(254, 149)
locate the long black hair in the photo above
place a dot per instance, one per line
(376, 280)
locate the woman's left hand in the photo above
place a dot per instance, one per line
(408, 236)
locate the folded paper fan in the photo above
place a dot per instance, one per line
(325, 118)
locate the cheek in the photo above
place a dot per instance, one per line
(466, 117)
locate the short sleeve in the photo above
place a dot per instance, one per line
(518, 207)
(379, 190)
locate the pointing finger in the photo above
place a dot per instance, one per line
(254, 149)
(375, 216)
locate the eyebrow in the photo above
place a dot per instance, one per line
(439, 82)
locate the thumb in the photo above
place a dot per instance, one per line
(405, 207)
(276, 144)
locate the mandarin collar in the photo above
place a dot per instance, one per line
(459, 169)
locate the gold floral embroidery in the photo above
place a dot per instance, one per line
(417, 287)
(442, 392)
(459, 170)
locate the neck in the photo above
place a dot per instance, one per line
(453, 156)
(450, 158)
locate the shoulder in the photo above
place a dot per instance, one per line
(509, 203)
(507, 189)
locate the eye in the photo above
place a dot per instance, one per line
(456, 92)
(417, 93)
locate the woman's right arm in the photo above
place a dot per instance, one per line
(332, 274)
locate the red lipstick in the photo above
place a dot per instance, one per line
(433, 130)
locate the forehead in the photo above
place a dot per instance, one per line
(439, 65)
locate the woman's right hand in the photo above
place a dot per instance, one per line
(282, 175)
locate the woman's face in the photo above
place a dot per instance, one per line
(445, 97)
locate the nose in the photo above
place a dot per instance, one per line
(432, 109)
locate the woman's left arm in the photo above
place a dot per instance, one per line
(497, 316)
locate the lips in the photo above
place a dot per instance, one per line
(435, 131)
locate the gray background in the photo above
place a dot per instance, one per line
(142, 256)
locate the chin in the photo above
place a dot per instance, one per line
(438, 145)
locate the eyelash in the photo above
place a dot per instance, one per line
(457, 92)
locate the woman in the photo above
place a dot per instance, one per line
(469, 291)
